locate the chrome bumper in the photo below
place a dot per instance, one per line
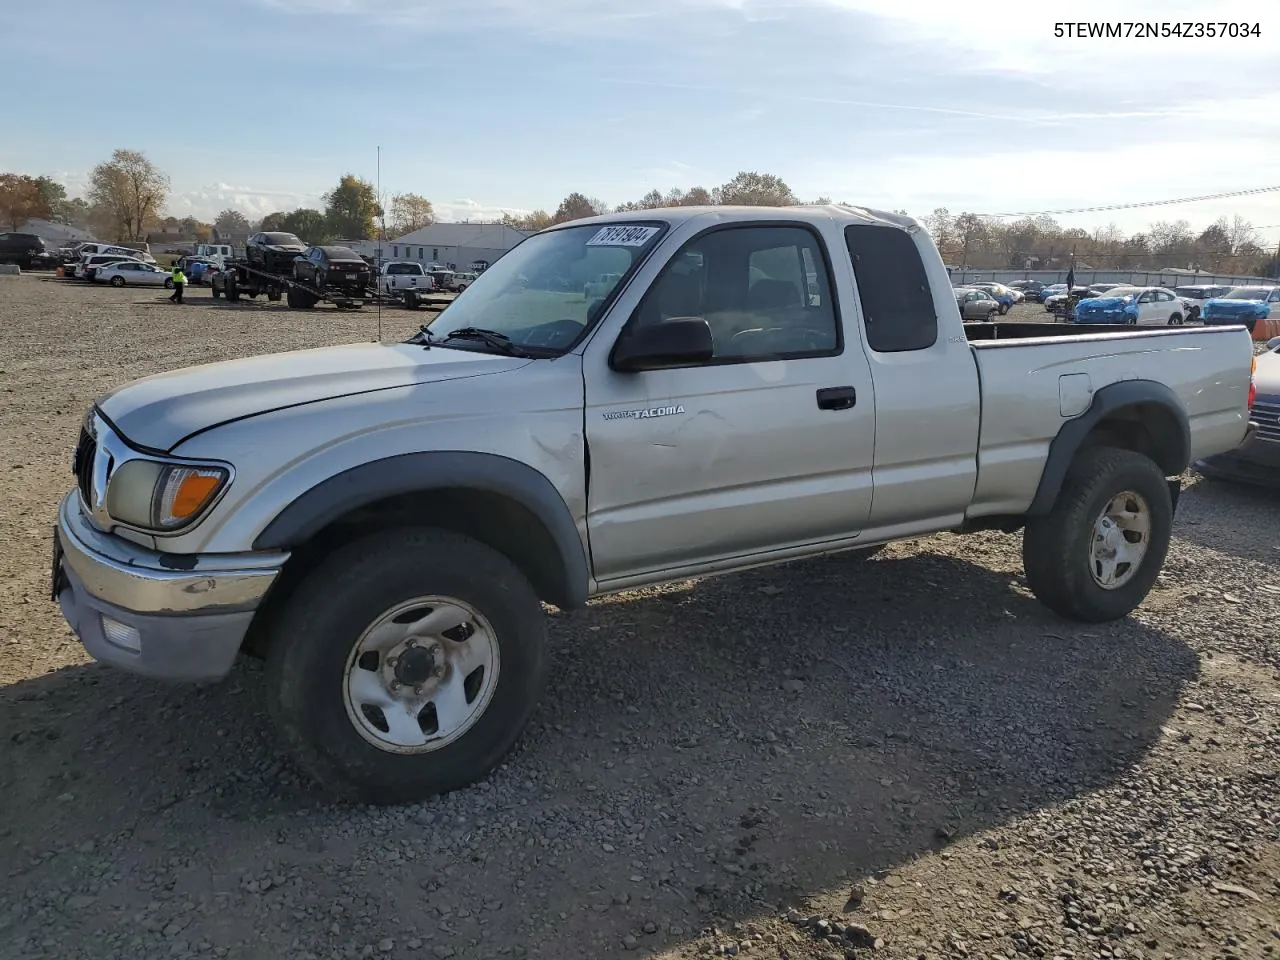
(173, 616)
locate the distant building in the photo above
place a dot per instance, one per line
(170, 241)
(236, 238)
(458, 243)
(56, 234)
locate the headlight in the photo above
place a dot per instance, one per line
(162, 496)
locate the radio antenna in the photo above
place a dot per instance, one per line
(377, 257)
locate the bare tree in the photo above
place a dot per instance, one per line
(576, 206)
(410, 212)
(1240, 233)
(752, 189)
(129, 190)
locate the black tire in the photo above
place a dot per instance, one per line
(1056, 547)
(991, 316)
(213, 291)
(1175, 320)
(117, 281)
(232, 291)
(291, 297)
(273, 296)
(168, 283)
(1004, 308)
(317, 627)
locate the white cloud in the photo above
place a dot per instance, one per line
(457, 210)
(1034, 179)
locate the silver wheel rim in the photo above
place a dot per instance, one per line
(1121, 535)
(421, 675)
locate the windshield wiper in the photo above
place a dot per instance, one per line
(499, 341)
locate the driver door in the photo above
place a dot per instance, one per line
(768, 445)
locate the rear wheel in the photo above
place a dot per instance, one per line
(1097, 553)
(406, 665)
(232, 290)
(1004, 308)
(991, 316)
(213, 290)
(117, 281)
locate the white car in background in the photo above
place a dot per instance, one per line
(134, 273)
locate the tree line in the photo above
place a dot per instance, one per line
(977, 242)
(127, 194)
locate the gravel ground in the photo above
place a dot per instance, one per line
(924, 764)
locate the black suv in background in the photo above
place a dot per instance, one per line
(26, 250)
(273, 252)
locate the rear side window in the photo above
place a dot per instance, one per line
(897, 302)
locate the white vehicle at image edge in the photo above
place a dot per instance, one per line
(133, 274)
(382, 522)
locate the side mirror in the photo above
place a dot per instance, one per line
(679, 342)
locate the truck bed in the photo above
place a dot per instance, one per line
(1036, 376)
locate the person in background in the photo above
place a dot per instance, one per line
(179, 282)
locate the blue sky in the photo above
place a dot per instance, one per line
(486, 105)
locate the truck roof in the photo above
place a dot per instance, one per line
(840, 213)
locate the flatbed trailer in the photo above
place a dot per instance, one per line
(246, 280)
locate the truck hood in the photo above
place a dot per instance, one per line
(159, 412)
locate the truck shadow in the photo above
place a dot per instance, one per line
(706, 750)
(1239, 519)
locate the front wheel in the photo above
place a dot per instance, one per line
(1004, 308)
(1175, 320)
(1097, 553)
(117, 281)
(406, 665)
(168, 283)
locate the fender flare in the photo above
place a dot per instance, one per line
(1106, 401)
(408, 473)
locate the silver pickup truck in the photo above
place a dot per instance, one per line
(381, 522)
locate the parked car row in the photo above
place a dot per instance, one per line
(1160, 306)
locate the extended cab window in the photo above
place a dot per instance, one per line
(764, 291)
(897, 302)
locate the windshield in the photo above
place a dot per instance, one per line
(1247, 293)
(548, 290)
(1122, 292)
(281, 239)
(1191, 293)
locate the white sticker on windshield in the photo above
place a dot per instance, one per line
(622, 236)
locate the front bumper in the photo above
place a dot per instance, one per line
(161, 615)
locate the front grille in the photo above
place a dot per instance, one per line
(1266, 414)
(82, 464)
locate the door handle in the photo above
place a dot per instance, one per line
(837, 398)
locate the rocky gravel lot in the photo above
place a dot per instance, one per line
(901, 758)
